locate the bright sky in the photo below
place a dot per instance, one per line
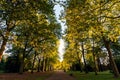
(58, 9)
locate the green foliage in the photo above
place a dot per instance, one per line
(89, 20)
(117, 61)
(2, 66)
(116, 48)
(29, 26)
(12, 64)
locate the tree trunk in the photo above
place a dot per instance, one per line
(39, 65)
(83, 53)
(95, 63)
(21, 70)
(2, 49)
(5, 38)
(33, 63)
(114, 67)
(22, 57)
(46, 62)
(43, 68)
(79, 61)
(99, 64)
(49, 67)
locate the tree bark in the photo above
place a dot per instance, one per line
(38, 70)
(21, 66)
(95, 63)
(83, 53)
(100, 68)
(21, 58)
(33, 63)
(46, 62)
(114, 67)
(5, 37)
(43, 68)
(79, 59)
(2, 49)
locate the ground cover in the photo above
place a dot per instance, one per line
(25, 76)
(91, 76)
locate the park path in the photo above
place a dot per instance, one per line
(60, 75)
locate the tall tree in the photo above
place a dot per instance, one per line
(12, 10)
(101, 15)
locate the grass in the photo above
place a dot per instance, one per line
(91, 76)
(1, 71)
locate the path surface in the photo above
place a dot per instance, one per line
(25, 76)
(60, 75)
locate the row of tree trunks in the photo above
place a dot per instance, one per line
(46, 66)
(44, 62)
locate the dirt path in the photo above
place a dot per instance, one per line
(60, 75)
(25, 76)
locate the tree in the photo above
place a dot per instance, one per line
(12, 10)
(102, 16)
(30, 37)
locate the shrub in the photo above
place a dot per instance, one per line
(12, 64)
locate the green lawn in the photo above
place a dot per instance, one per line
(91, 76)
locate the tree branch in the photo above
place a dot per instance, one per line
(111, 17)
(2, 35)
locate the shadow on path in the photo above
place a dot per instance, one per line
(60, 75)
